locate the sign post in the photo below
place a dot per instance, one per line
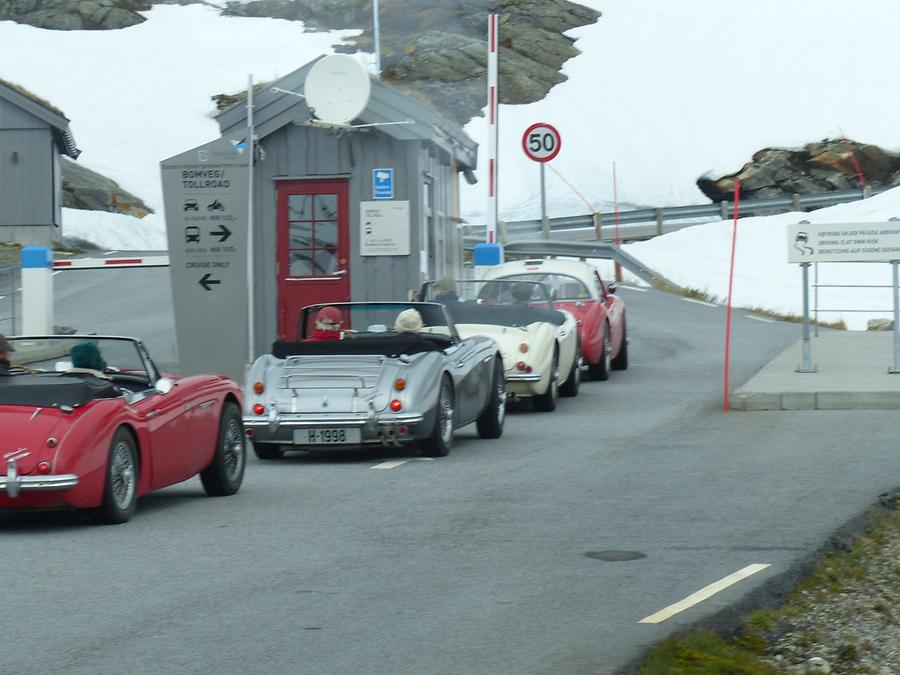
(206, 191)
(541, 143)
(810, 243)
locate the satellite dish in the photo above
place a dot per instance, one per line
(337, 89)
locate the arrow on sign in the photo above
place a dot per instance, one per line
(222, 233)
(206, 282)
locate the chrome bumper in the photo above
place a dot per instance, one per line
(523, 377)
(12, 483)
(300, 421)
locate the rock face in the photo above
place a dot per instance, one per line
(88, 190)
(437, 50)
(75, 14)
(819, 167)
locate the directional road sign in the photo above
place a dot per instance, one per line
(205, 191)
(541, 142)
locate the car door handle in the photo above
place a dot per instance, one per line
(152, 413)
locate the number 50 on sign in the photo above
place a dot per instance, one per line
(541, 142)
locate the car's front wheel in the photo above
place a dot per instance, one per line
(573, 382)
(121, 486)
(225, 473)
(441, 438)
(621, 360)
(490, 423)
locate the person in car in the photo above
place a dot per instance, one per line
(408, 321)
(445, 290)
(329, 323)
(521, 293)
(86, 355)
(6, 350)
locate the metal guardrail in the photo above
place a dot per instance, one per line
(9, 321)
(587, 250)
(641, 224)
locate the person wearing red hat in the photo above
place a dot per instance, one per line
(328, 325)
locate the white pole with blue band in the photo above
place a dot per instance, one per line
(37, 290)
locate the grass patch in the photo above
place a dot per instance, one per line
(703, 654)
(796, 318)
(706, 653)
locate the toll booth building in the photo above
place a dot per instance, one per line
(33, 136)
(349, 214)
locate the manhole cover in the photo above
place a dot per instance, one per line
(615, 556)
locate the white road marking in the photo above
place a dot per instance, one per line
(634, 288)
(2, 296)
(394, 463)
(700, 302)
(110, 252)
(704, 593)
(57, 272)
(18, 290)
(759, 318)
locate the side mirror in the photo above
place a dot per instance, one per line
(610, 288)
(163, 385)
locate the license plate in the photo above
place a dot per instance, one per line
(327, 436)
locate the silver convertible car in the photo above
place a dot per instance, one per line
(380, 374)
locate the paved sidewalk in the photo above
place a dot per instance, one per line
(851, 373)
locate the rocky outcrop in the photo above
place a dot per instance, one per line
(437, 50)
(75, 14)
(88, 190)
(819, 167)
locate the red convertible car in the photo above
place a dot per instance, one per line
(89, 422)
(576, 287)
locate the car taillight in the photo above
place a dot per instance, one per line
(523, 347)
(43, 468)
(259, 387)
(521, 365)
(396, 406)
(399, 384)
(259, 409)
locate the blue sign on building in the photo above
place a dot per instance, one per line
(382, 183)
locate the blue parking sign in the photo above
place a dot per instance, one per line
(382, 183)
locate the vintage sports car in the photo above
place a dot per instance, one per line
(89, 422)
(540, 346)
(372, 384)
(576, 287)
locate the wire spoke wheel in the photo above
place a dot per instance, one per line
(233, 455)
(445, 413)
(122, 475)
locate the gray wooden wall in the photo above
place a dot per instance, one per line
(298, 152)
(29, 186)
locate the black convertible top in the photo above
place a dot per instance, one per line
(384, 345)
(49, 391)
(502, 315)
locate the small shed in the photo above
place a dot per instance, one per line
(367, 213)
(33, 136)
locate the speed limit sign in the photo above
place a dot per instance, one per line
(541, 142)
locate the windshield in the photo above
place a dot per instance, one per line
(60, 354)
(497, 302)
(495, 292)
(373, 319)
(560, 286)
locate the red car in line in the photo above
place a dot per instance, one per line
(576, 287)
(90, 422)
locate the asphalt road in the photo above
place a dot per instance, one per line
(474, 563)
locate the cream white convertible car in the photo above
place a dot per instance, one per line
(540, 345)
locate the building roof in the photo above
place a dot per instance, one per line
(59, 123)
(272, 110)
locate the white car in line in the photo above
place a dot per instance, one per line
(540, 345)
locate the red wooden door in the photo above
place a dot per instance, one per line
(313, 254)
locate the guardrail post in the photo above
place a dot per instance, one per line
(896, 327)
(37, 290)
(659, 222)
(597, 224)
(867, 191)
(502, 235)
(795, 201)
(807, 366)
(723, 207)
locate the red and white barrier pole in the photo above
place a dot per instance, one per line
(737, 203)
(493, 103)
